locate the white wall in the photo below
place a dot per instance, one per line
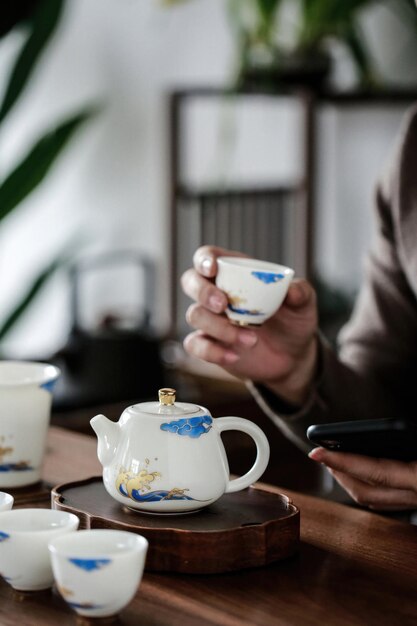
(354, 149)
(110, 186)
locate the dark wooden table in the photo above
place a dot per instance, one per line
(353, 567)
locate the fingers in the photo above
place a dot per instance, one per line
(300, 294)
(378, 472)
(216, 340)
(219, 328)
(203, 347)
(203, 291)
(376, 497)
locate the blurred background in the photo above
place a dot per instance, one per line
(132, 132)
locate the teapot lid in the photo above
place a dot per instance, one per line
(166, 405)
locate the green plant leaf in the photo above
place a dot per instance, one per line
(31, 293)
(328, 11)
(321, 18)
(34, 167)
(267, 12)
(267, 9)
(43, 25)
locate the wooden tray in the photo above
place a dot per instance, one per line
(249, 528)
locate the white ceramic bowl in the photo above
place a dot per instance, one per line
(24, 537)
(255, 289)
(6, 501)
(98, 572)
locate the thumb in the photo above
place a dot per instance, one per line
(300, 294)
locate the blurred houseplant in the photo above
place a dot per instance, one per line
(273, 50)
(39, 20)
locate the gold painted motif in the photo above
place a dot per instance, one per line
(21, 465)
(139, 481)
(235, 300)
(64, 591)
(5, 451)
(137, 486)
(174, 492)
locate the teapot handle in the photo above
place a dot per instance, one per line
(262, 449)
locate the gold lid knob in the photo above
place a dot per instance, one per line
(167, 396)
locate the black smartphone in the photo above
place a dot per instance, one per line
(381, 438)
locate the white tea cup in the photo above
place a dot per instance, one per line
(255, 289)
(25, 407)
(6, 501)
(24, 538)
(98, 571)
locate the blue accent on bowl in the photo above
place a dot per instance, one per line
(90, 565)
(49, 386)
(4, 536)
(15, 467)
(244, 311)
(268, 277)
(192, 427)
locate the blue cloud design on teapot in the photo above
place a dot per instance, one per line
(192, 427)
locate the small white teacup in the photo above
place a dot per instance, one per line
(24, 537)
(255, 289)
(6, 501)
(98, 571)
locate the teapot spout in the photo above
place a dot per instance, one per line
(108, 434)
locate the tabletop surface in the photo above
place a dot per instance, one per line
(353, 567)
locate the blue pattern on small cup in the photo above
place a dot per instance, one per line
(4, 536)
(49, 386)
(268, 277)
(90, 565)
(235, 309)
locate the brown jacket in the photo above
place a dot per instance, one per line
(374, 374)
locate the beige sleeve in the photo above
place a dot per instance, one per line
(374, 373)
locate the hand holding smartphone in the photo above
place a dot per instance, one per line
(381, 438)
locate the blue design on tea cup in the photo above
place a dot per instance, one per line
(4, 536)
(268, 277)
(244, 311)
(90, 565)
(49, 386)
(84, 605)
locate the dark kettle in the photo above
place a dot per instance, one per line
(109, 363)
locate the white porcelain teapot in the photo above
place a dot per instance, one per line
(167, 457)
